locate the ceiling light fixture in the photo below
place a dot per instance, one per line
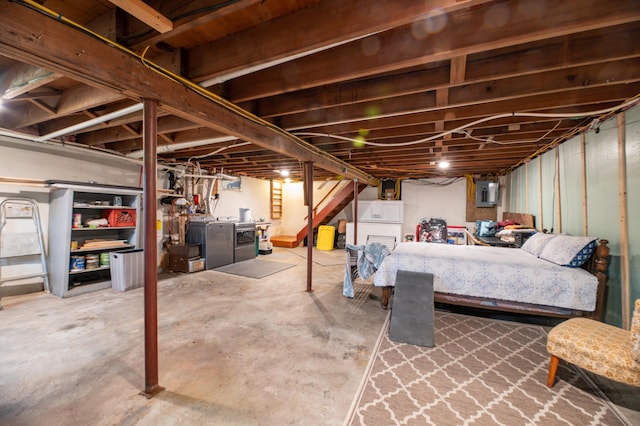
(284, 173)
(444, 164)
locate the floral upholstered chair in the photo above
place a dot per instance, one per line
(600, 348)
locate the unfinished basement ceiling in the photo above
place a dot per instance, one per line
(378, 85)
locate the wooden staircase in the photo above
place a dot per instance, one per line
(335, 205)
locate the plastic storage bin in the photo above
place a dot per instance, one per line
(121, 217)
(127, 269)
(326, 235)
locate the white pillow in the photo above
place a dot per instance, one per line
(562, 249)
(536, 243)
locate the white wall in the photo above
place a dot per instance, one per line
(426, 198)
(254, 194)
(32, 160)
(294, 212)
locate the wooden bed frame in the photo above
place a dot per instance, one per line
(597, 265)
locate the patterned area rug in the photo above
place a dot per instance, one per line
(481, 372)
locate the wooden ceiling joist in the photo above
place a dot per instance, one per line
(325, 70)
(105, 67)
(146, 14)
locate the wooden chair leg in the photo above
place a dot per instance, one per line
(553, 368)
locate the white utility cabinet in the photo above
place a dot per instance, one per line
(69, 241)
(385, 211)
(377, 217)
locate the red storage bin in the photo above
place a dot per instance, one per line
(121, 217)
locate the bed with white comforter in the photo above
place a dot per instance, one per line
(505, 274)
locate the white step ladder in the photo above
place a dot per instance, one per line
(27, 242)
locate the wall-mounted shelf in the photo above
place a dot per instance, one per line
(276, 199)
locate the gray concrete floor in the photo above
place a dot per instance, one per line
(232, 351)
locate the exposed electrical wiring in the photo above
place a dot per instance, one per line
(217, 151)
(471, 187)
(463, 128)
(491, 140)
(430, 182)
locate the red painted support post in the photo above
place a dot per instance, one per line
(355, 211)
(151, 387)
(308, 183)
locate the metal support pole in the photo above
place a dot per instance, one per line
(355, 211)
(308, 184)
(151, 387)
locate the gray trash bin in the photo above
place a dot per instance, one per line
(127, 269)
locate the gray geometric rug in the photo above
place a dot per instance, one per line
(254, 268)
(481, 372)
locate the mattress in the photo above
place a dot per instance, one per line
(493, 272)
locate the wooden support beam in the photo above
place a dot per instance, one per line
(540, 211)
(94, 115)
(43, 106)
(130, 129)
(320, 26)
(624, 224)
(558, 195)
(189, 22)
(165, 138)
(608, 50)
(308, 184)
(513, 203)
(442, 97)
(401, 50)
(583, 165)
(146, 14)
(526, 188)
(458, 68)
(93, 62)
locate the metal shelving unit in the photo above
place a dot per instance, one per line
(66, 228)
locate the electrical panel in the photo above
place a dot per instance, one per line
(486, 193)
